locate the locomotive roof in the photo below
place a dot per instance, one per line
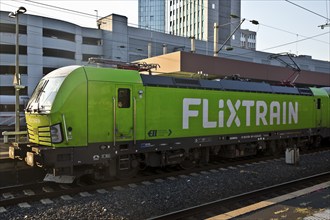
(166, 81)
(327, 89)
(225, 85)
(63, 71)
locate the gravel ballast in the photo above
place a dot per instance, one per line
(147, 200)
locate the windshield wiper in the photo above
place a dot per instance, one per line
(41, 91)
(36, 97)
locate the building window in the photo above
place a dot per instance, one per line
(10, 49)
(50, 52)
(11, 28)
(10, 108)
(85, 57)
(4, 69)
(10, 90)
(91, 41)
(56, 34)
(47, 70)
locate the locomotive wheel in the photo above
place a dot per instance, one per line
(84, 180)
(191, 161)
(129, 169)
(187, 164)
(317, 141)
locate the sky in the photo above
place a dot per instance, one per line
(284, 26)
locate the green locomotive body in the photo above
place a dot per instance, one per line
(105, 121)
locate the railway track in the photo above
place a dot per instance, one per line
(18, 173)
(225, 205)
(28, 192)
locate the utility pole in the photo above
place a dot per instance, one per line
(17, 76)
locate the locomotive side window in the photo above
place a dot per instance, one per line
(124, 98)
(318, 104)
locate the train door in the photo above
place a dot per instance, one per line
(124, 106)
(318, 112)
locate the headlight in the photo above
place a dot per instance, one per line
(56, 133)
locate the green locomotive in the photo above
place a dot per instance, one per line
(111, 122)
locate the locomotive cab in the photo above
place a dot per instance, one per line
(49, 118)
(38, 113)
(77, 115)
(50, 106)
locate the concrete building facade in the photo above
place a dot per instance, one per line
(47, 44)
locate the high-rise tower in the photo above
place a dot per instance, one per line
(152, 14)
(196, 18)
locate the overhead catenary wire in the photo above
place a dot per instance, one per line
(82, 14)
(92, 16)
(233, 53)
(308, 10)
(194, 3)
(278, 46)
(326, 8)
(293, 42)
(104, 40)
(292, 33)
(64, 9)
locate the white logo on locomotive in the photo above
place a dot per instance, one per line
(273, 114)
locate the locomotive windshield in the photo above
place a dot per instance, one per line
(44, 95)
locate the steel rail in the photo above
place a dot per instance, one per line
(215, 206)
(150, 177)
